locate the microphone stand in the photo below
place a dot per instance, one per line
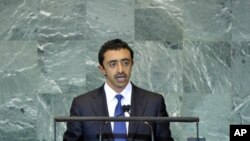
(151, 130)
(126, 108)
(100, 131)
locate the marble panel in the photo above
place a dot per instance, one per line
(207, 20)
(108, 19)
(94, 78)
(159, 23)
(18, 69)
(18, 118)
(157, 67)
(241, 20)
(206, 67)
(63, 66)
(18, 82)
(50, 106)
(240, 80)
(165, 3)
(18, 19)
(61, 20)
(214, 111)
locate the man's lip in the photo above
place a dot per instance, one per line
(121, 76)
(121, 79)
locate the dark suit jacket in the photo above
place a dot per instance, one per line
(143, 103)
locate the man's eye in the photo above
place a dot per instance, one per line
(112, 64)
(125, 63)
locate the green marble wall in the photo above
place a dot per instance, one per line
(194, 52)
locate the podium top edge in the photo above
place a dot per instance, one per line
(105, 118)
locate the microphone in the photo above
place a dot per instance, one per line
(126, 108)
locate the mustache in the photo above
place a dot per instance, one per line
(120, 75)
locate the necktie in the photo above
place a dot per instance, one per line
(120, 132)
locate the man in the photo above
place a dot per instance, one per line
(115, 63)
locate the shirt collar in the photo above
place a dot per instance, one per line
(126, 93)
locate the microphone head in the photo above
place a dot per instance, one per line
(126, 108)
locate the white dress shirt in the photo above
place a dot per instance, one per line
(112, 100)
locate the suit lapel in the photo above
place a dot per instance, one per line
(100, 108)
(99, 103)
(138, 105)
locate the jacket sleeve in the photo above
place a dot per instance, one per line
(74, 130)
(163, 132)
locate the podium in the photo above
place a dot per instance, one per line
(103, 119)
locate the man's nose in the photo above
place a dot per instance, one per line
(120, 67)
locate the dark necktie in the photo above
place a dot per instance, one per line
(120, 132)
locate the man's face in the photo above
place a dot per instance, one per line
(117, 66)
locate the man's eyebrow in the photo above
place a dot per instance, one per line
(125, 59)
(112, 61)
